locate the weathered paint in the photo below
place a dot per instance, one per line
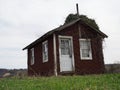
(40, 68)
(94, 66)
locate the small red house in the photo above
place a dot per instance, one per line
(74, 48)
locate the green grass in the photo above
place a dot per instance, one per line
(90, 82)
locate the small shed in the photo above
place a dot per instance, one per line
(73, 48)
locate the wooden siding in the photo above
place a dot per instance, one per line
(40, 68)
(94, 66)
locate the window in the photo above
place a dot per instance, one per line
(45, 51)
(65, 47)
(32, 56)
(85, 49)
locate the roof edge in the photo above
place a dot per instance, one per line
(97, 30)
(50, 33)
(61, 28)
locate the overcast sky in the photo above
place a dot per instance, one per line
(23, 21)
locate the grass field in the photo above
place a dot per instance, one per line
(90, 82)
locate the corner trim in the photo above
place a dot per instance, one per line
(55, 56)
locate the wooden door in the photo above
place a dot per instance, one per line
(65, 48)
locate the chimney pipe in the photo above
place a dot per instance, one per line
(77, 9)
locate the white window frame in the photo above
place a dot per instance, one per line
(90, 52)
(43, 54)
(32, 59)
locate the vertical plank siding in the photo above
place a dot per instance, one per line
(94, 66)
(40, 68)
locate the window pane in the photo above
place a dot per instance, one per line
(85, 48)
(85, 53)
(45, 51)
(32, 56)
(64, 47)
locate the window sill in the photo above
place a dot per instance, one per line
(32, 64)
(86, 58)
(45, 61)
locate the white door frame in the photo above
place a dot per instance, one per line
(72, 51)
